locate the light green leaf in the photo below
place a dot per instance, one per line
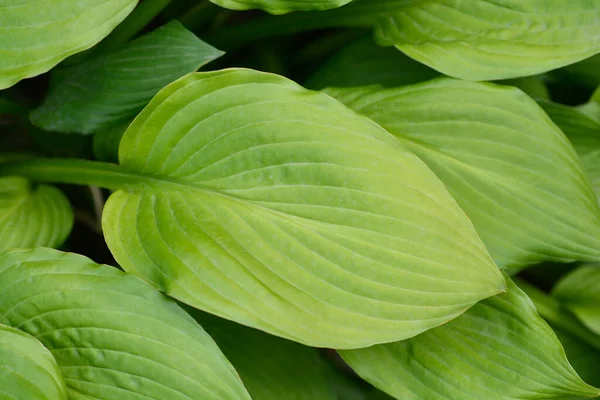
(584, 134)
(500, 349)
(281, 209)
(513, 172)
(492, 39)
(580, 292)
(365, 63)
(35, 35)
(27, 369)
(32, 215)
(112, 335)
(270, 367)
(111, 89)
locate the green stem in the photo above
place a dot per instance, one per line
(76, 171)
(141, 16)
(553, 312)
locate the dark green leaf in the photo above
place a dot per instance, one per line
(111, 89)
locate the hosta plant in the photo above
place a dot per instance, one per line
(311, 200)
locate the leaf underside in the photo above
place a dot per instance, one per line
(500, 349)
(281, 209)
(112, 335)
(509, 167)
(35, 35)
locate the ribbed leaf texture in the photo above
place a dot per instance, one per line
(491, 39)
(583, 132)
(32, 215)
(35, 35)
(111, 89)
(281, 209)
(501, 349)
(113, 336)
(27, 369)
(509, 167)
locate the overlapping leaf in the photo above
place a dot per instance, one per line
(492, 39)
(580, 292)
(509, 167)
(584, 134)
(32, 215)
(365, 63)
(500, 349)
(35, 35)
(270, 367)
(111, 89)
(27, 369)
(281, 209)
(112, 335)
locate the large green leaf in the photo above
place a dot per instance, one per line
(111, 89)
(492, 39)
(509, 167)
(35, 35)
(580, 292)
(270, 367)
(584, 134)
(365, 63)
(32, 215)
(500, 349)
(112, 335)
(281, 209)
(27, 369)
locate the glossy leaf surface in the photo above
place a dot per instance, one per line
(112, 335)
(281, 209)
(111, 89)
(500, 349)
(32, 215)
(491, 39)
(509, 167)
(35, 35)
(27, 369)
(270, 367)
(580, 292)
